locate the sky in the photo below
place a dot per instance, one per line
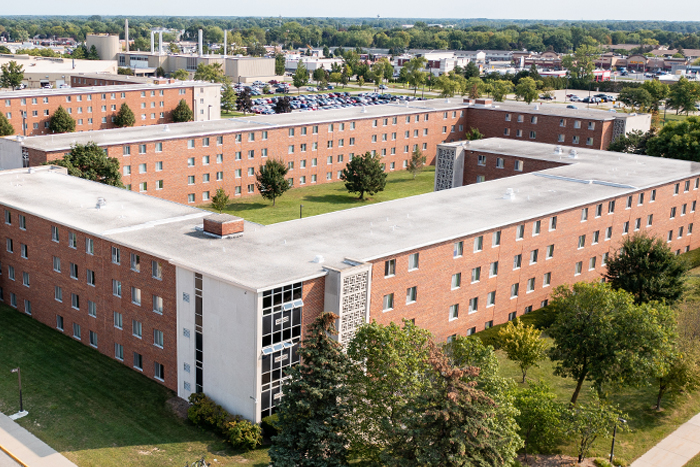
(669, 10)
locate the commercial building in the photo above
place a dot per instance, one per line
(208, 302)
(93, 108)
(52, 71)
(80, 80)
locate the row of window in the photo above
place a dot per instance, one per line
(561, 138)
(79, 98)
(500, 163)
(562, 121)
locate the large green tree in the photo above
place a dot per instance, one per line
(677, 140)
(183, 112)
(180, 74)
(539, 416)
(647, 268)
(523, 344)
(471, 70)
(415, 72)
(313, 414)
(90, 162)
(243, 101)
(364, 174)
(6, 127)
(125, 117)
(279, 64)
(600, 335)
(581, 63)
(228, 97)
(301, 76)
(526, 89)
(12, 75)
(212, 73)
(271, 181)
(61, 121)
(683, 95)
(636, 98)
(658, 92)
(634, 142)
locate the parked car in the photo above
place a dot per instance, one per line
(383, 86)
(546, 97)
(571, 107)
(574, 98)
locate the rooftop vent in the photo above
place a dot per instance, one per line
(558, 150)
(510, 194)
(223, 225)
(101, 202)
(537, 107)
(166, 128)
(318, 259)
(573, 154)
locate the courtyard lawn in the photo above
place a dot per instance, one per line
(94, 410)
(326, 197)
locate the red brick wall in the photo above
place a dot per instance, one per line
(313, 292)
(175, 154)
(82, 81)
(437, 265)
(80, 105)
(489, 170)
(492, 123)
(44, 307)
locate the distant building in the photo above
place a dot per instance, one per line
(45, 71)
(108, 46)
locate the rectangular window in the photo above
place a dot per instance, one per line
(598, 210)
(73, 271)
(158, 304)
(136, 328)
(514, 290)
(479, 243)
(533, 256)
(547, 279)
(584, 214)
(411, 295)
(75, 301)
(388, 302)
(476, 274)
(650, 219)
(625, 228)
(581, 241)
(637, 223)
(520, 232)
(496, 238)
(158, 338)
(457, 249)
(389, 268)
(92, 309)
(138, 361)
(493, 269)
(91, 277)
(57, 264)
(136, 296)
(517, 261)
(72, 240)
(413, 261)
(550, 251)
(54, 233)
(454, 311)
(491, 299)
(89, 246)
(596, 236)
(59, 322)
(673, 213)
(611, 207)
(578, 268)
(591, 263)
(530, 285)
(456, 280)
(536, 228)
(116, 288)
(24, 251)
(118, 320)
(58, 294)
(473, 305)
(116, 255)
(76, 331)
(156, 270)
(608, 233)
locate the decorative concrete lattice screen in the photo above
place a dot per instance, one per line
(353, 305)
(445, 168)
(618, 128)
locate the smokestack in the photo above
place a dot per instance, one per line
(201, 49)
(225, 34)
(160, 42)
(126, 33)
(152, 41)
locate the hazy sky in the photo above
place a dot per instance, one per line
(671, 10)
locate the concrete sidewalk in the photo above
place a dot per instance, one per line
(676, 449)
(27, 449)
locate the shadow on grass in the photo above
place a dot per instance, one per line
(344, 199)
(246, 206)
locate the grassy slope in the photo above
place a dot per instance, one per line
(94, 410)
(327, 197)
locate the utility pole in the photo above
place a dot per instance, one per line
(19, 379)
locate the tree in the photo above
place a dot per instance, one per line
(301, 76)
(243, 102)
(637, 98)
(582, 63)
(394, 358)
(61, 121)
(364, 174)
(677, 140)
(414, 72)
(648, 269)
(160, 72)
(474, 87)
(220, 200)
(125, 71)
(12, 75)
(634, 142)
(500, 89)
(213, 73)
(90, 162)
(591, 421)
(125, 117)
(6, 129)
(523, 345)
(283, 105)
(415, 165)
(448, 87)
(448, 424)
(527, 90)
(228, 97)
(539, 416)
(683, 95)
(182, 113)
(320, 75)
(180, 74)
(471, 71)
(658, 92)
(270, 179)
(473, 134)
(600, 335)
(92, 54)
(313, 412)
(279, 64)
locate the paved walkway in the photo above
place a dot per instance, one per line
(676, 449)
(25, 448)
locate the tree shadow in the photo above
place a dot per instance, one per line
(237, 207)
(334, 199)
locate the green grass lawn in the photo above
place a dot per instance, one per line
(327, 197)
(232, 114)
(94, 410)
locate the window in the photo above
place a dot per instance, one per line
(116, 288)
(673, 213)
(481, 160)
(520, 232)
(73, 271)
(578, 268)
(136, 296)
(456, 280)
(479, 243)
(156, 270)
(76, 331)
(676, 188)
(584, 214)
(491, 299)
(58, 294)
(91, 277)
(138, 361)
(116, 255)
(493, 269)
(596, 235)
(413, 261)
(581, 241)
(57, 264)
(608, 233)
(158, 304)
(514, 290)
(549, 251)
(473, 305)
(547, 279)
(8, 217)
(411, 294)
(59, 322)
(625, 228)
(458, 249)
(158, 371)
(650, 219)
(454, 311)
(518, 166)
(388, 302)
(536, 228)
(158, 338)
(117, 320)
(54, 233)
(389, 268)
(25, 279)
(517, 261)
(496, 238)
(11, 272)
(652, 198)
(591, 263)
(136, 328)
(22, 222)
(75, 301)
(500, 163)
(637, 223)
(531, 285)
(476, 274)
(533, 135)
(533, 256)
(92, 309)
(24, 252)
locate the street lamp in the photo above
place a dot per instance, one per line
(612, 448)
(300, 208)
(19, 379)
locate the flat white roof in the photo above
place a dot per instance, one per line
(266, 256)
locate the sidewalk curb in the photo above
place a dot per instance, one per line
(13, 456)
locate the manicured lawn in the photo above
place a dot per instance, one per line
(694, 462)
(327, 197)
(95, 411)
(231, 114)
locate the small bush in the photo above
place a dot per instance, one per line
(619, 462)
(243, 434)
(206, 413)
(601, 463)
(269, 425)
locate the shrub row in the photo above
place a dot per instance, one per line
(238, 431)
